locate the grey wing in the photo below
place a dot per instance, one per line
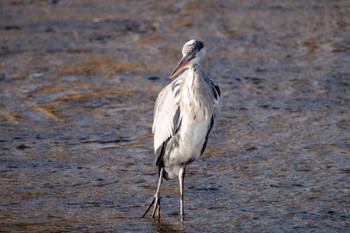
(166, 117)
(217, 100)
(216, 111)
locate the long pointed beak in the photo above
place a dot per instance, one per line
(184, 61)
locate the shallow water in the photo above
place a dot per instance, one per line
(78, 80)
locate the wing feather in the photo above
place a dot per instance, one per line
(167, 116)
(216, 110)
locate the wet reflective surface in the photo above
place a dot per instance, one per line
(78, 80)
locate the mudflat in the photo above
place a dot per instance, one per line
(78, 82)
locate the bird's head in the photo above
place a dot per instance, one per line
(193, 52)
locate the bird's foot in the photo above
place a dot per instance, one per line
(182, 215)
(156, 208)
(149, 207)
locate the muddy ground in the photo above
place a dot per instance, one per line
(78, 81)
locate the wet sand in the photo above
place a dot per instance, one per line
(78, 81)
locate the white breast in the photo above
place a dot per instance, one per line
(193, 136)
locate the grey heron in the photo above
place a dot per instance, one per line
(185, 113)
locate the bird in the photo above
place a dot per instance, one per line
(185, 113)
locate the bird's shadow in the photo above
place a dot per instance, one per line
(165, 226)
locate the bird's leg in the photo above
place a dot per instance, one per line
(181, 184)
(156, 200)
